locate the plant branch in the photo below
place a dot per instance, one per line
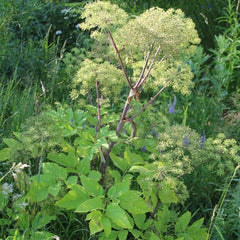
(149, 102)
(144, 66)
(150, 67)
(110, 38)
(98, 105)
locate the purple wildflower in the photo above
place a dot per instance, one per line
(203, 139)
(143, 149)
(186, 141)
(171, 109)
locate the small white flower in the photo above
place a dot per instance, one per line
(22, 205)
(65, 10)
(18, 168)
(7, 189)
(58, 32)
(77, 26)
(15, 197)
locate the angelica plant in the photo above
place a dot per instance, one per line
(149, 49)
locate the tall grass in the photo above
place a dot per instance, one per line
(225, 220)
(16, 105)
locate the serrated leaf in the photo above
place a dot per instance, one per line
(182, 222)
(54, 189)
(94, 224)
(69, 160)
(106, 224)
(132, 158)
(72, 180)
(117, 189)
(118, 216)
(92, 186)
(90, 205)
(136, 233)
(133, 203)
(84, 166)
(73, 198)
(122, 235)
(196, 225)
(164, 217)
(79, 116)
(167, 196)
(53, 170)
(95, 227)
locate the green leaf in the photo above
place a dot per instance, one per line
(136, 233)
(196, 225)
(163, 218)
(54, 171)
(79, 116)
(118, 216)
(119, 162)
(167, 196)
(139, 220)
(106, 224)
(90, 205)
(113, 236)
(72, 180)
(84, 166)
(41, 235)
(101, 142)
(54, 189)
(153, 236)
(38, 191)
(132, 158)
(122, 235)
(5, 154)
(95, 175)
(182, 222)
(117, 189)
(12, 143)
(69, 160)
(133, 203)
(73, 198)
(41, 221)
(95, 221)
(92, 186)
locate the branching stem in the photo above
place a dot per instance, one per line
(150, 101)
(144, 66)
(150, 68)
(110, 38)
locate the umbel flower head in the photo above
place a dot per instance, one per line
(170, 31)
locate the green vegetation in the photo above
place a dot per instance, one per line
(119, 120)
